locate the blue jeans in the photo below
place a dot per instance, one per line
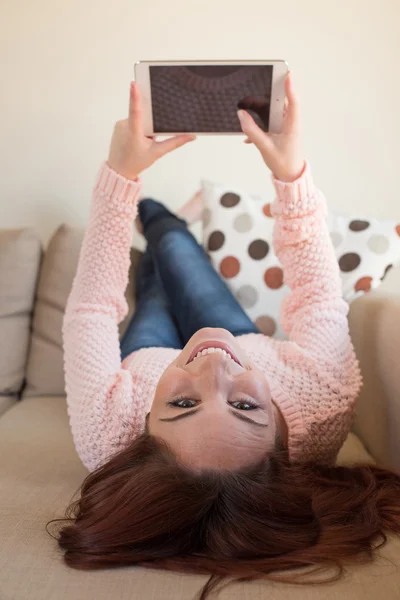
(177, 289)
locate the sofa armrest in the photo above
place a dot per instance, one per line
(375, 329)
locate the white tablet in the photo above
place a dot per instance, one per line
(204, 97)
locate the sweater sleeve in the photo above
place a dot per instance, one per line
(99, 391)
(314, 314)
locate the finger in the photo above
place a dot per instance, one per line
(135, 119)
(293, 110)
(254, 133)
(247, 141)
(257, 104)
(285, 106)
(173, 143)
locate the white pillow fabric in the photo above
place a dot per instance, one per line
(237, 234)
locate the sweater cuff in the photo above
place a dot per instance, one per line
(297, 198)
(113, 185)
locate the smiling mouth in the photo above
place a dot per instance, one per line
(212, 347)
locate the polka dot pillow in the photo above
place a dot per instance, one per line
(237, 234)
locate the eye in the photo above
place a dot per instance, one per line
(244, 405)
(182, 403)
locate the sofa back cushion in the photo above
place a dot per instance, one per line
(45, 368)
(20, 256)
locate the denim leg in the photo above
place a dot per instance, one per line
(152, 324)
(197, 296)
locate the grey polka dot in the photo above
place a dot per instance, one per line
(378, 244)
(247, 296)
(336, 238)
(207, 214)
(243, 223)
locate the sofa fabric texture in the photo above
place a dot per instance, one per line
(20, 257)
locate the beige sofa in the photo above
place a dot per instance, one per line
(40, 470)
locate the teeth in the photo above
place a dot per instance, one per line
(211, 351)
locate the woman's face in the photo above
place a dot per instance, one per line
(214, 410)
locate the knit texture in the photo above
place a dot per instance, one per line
(185, 101)
(314, 376)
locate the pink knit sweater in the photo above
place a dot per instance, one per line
(314, 377)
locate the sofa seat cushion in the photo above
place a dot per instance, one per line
(39, 474)
(7, 402)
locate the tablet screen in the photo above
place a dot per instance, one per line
(205, 98)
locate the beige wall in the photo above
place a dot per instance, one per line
(65, 73)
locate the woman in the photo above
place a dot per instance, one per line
(212, 447)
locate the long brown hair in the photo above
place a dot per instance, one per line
(144, 508)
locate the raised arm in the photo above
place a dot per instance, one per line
(93, 375)
(100, 393)
(314, 315)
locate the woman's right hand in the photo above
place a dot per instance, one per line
(131, 152)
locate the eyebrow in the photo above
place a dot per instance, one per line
(238, 415)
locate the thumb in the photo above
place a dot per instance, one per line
(254, 133)
(173, 143)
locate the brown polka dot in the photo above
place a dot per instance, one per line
(258, 249)
(386, 271)
(230, 199)
(349, 262)
(398, 229)
(267, 210)
(273, 278)
(229, 267)
(363, 284)
(266, 325)
(216, 241)
(358, 225)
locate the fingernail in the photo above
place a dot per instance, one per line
(241, 114)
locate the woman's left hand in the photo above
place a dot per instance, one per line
(282, 152)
